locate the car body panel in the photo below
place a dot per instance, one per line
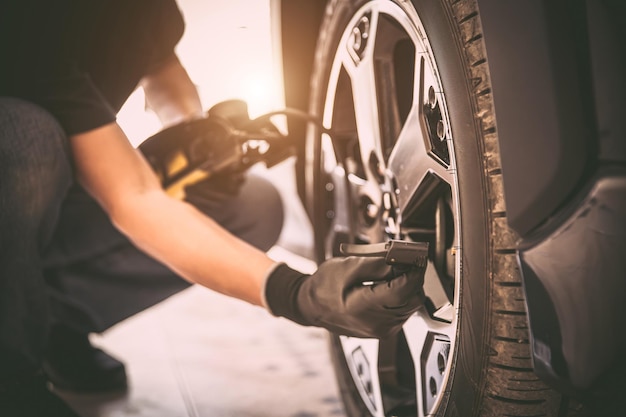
(539, 92)
(575, 285)
(560, 107)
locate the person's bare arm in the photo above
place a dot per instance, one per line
(170, 230)
(171, 94)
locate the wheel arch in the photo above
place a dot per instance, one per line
(544, 103)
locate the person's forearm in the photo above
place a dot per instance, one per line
(194, 246)
(172, 231)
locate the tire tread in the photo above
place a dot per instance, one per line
(509, 387)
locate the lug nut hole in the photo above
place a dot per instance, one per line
(441, 363)
(432, 97)
(433, 386)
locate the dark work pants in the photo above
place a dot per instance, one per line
(61, 260)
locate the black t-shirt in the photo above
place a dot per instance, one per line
(81, 59)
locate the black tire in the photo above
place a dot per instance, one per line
(488, 369)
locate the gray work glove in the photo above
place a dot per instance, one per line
(335, 298)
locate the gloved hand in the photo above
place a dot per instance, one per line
(335, 298)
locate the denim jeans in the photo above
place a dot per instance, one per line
(62, 261)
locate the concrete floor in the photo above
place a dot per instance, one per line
(200, 354)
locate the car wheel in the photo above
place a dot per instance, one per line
(412, 154)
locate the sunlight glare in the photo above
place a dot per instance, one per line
(261, 93)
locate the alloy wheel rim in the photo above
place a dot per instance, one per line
(392, 174)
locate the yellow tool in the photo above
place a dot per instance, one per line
(224, 141)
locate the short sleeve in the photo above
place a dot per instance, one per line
(168, 28)
(73, 100)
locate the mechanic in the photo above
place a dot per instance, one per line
(88, 236)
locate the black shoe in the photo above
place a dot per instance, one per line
(73, 364)
(30, 397)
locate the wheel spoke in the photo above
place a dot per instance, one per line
(362, 75)
(362, 359)
(429, 343)
(411, 160)
(418, 325)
